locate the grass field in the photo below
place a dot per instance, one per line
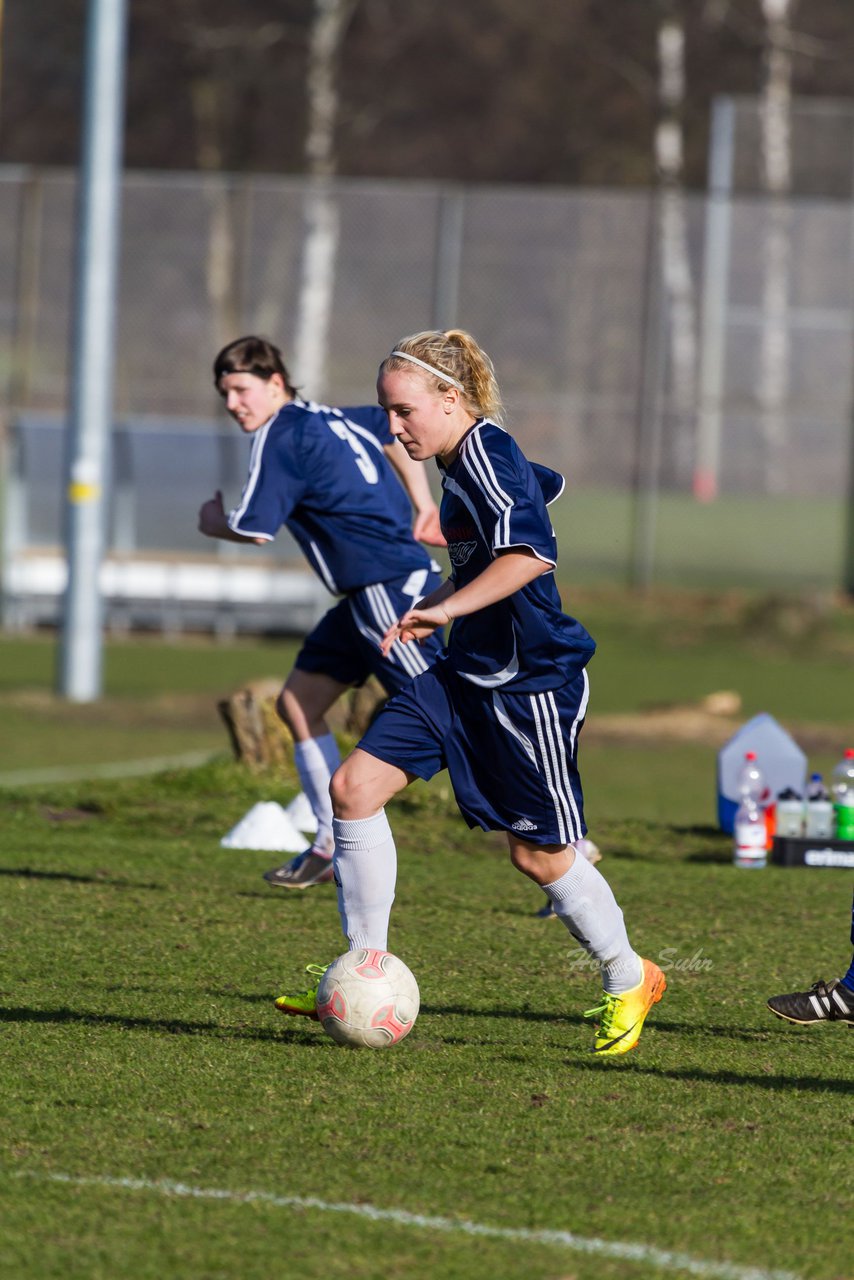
(742, 539)
(160, 1119)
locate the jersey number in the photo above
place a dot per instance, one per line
(363, 462)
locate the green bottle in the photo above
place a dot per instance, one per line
(842, 791)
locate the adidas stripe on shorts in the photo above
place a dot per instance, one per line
(511, 757)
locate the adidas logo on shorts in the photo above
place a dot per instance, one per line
(523, 825)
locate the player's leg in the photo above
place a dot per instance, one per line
(848, 979)
(530, 787)
(586, 849)
(365, 863)
(824, 1002)
(342, 651)
(326, 666)
(403, 743)
(585, 904)
(365, 852)
(302, 705)
(304, 701)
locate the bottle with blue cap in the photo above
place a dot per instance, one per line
(820, 822)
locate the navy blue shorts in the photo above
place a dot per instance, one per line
(345, 644)
(511, 757)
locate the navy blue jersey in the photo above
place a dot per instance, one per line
(322, 472)
(495, 500)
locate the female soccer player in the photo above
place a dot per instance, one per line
(502, 708)
(324, 474)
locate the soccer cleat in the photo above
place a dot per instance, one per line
(305, 1004)
(302, 871)
(824, 1002)
(621, 1017)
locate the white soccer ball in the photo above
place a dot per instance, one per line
(367, 999)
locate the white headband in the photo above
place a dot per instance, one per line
(438, 373)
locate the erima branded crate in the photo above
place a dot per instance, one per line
(803, 851)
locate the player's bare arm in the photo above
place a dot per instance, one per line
(507, 573)
(213, 522)
(413, 477)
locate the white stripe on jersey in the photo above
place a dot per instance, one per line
(259, 439)
(453, 487)
(477, 463)
(323, 569)
(497, 677)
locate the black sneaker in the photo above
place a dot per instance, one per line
(306, 869)
(824, 1002)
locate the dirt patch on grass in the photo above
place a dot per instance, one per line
(167, 710)
(711, 722)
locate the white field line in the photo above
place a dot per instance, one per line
(640, 1253)
(109, 769)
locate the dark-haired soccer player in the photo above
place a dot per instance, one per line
(324, 473)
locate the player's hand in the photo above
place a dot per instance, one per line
(417, 624)
(212, 516)
(428, 529)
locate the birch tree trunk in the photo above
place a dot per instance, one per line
(678, 283)
(775, 135)
(220, 254)
(320, 213)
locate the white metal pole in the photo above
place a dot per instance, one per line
(93, 347)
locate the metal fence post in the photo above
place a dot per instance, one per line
(449, 254)
(650, 409)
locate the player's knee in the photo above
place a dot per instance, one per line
(541, 863)
(359, 787)
(522, 859)
(341, 790)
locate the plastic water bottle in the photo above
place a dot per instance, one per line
(790, 815)
(751, 781)
(842, 793)
(750, 835)
(820, 818)
(752, 789)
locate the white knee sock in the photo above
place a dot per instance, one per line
(316, 760)
(583, 900)
(365, 872)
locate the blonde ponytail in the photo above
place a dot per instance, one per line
(452, 358)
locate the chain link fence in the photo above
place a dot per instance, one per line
(680, 466)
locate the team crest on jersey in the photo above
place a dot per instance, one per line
(460, 552)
